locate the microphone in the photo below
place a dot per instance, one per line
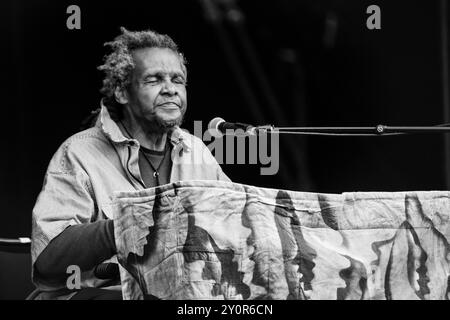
(218, 126)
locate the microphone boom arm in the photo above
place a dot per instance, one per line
(378, 130)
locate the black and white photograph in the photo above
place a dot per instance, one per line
(233, 150)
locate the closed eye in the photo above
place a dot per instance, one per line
(151, 80)
(179, 80)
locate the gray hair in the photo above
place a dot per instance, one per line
(119, 64)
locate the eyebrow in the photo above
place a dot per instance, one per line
(159, 73)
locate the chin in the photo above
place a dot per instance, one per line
(165, 124)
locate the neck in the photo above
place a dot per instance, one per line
(147, 139)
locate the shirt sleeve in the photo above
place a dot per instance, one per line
(221, 176)
(66, 199)
(84, 245)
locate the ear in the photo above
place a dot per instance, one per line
(121, 95)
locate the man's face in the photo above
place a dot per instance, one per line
(157, 95)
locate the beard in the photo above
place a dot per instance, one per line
(160, 125)
(154, 121)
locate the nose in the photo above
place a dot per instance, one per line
(168, 88)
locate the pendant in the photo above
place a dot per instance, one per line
(155, 174)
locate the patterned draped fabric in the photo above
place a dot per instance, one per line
(223, 240)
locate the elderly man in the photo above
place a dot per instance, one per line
(136, 143)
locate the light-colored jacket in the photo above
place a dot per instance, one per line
(85, 172)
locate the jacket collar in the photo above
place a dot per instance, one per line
(177, 136)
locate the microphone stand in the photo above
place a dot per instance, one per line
(376, 130)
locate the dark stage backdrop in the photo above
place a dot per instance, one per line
(319, 66)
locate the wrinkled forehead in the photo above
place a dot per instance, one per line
(160, 60)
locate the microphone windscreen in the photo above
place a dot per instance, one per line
(213, 127)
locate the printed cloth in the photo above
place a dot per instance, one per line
(223, 240)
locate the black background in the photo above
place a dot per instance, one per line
(319, 76)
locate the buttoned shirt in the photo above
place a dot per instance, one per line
(81, 180)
